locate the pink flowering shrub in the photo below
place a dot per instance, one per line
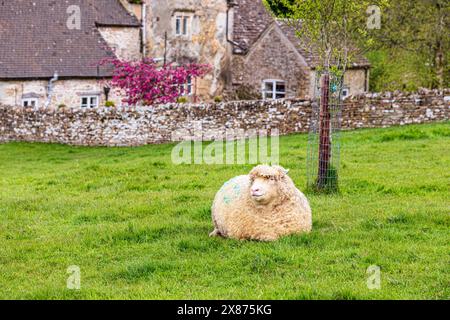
(144, 82)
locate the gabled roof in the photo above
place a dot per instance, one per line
(252, 19)
(311, 54)
(35, 40)
(112, 13)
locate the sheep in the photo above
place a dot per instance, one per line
(263, 205)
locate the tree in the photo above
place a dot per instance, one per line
(420, 26)
(336, 29)
(333, 29)
(277, 8)
(143, 82)
(415, 31)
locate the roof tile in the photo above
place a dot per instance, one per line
(252, 19)
(35, 40)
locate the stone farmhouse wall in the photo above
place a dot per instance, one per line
(205, 41)
(124, 41)
(160, 124)
(273, 57)
(67, 92)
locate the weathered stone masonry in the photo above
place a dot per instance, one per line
(149, 125)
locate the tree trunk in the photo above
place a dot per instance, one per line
(439, 54)
(439, 64)
(325, 134)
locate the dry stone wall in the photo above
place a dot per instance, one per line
(160, 124)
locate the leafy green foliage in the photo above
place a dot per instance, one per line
(335, 28)
(398, 70)
(420, 27)
(412, 48)
(278, 8)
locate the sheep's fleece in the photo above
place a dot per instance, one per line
(263, 205)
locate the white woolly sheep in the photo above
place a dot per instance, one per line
(263, 205)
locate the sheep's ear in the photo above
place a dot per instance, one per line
(282, 170)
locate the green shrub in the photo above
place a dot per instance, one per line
(182, 100)
(110, 104)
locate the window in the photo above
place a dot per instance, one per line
(89, 101)
(345, 93)
(187, 88)
(185, 25)
(30, 102)
(178, 25)
(274, 89)
(181, 25)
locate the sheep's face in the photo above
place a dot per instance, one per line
(265, 181)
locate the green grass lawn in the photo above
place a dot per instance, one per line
(138, 226)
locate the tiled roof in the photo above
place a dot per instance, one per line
(35, 40)
(252, 19)
(311, 54)
(112, 13)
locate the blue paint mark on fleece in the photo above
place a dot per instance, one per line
(231, 191)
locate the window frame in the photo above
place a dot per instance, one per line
(185, 29)
(186, 89)
(182, 25)
(178, 23)
(274, 92)
(345, 89)
(89, 104)
(188, 86)
(30, 102)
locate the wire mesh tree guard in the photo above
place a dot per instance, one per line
(324, 134)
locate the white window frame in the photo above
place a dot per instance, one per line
(188, 87)
(182, 25)
(89, 104)
(345, 92)
(272, 94)
(185, 24)
(29, 102)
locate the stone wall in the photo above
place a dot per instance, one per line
(379, 110)
(147, 125)
(272, 57)
(67, 92)
(355, 81)
(205, 41)
(275, 56)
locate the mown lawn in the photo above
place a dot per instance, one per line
(137, 225)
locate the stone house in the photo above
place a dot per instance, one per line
(67, 39)
(252, 54)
